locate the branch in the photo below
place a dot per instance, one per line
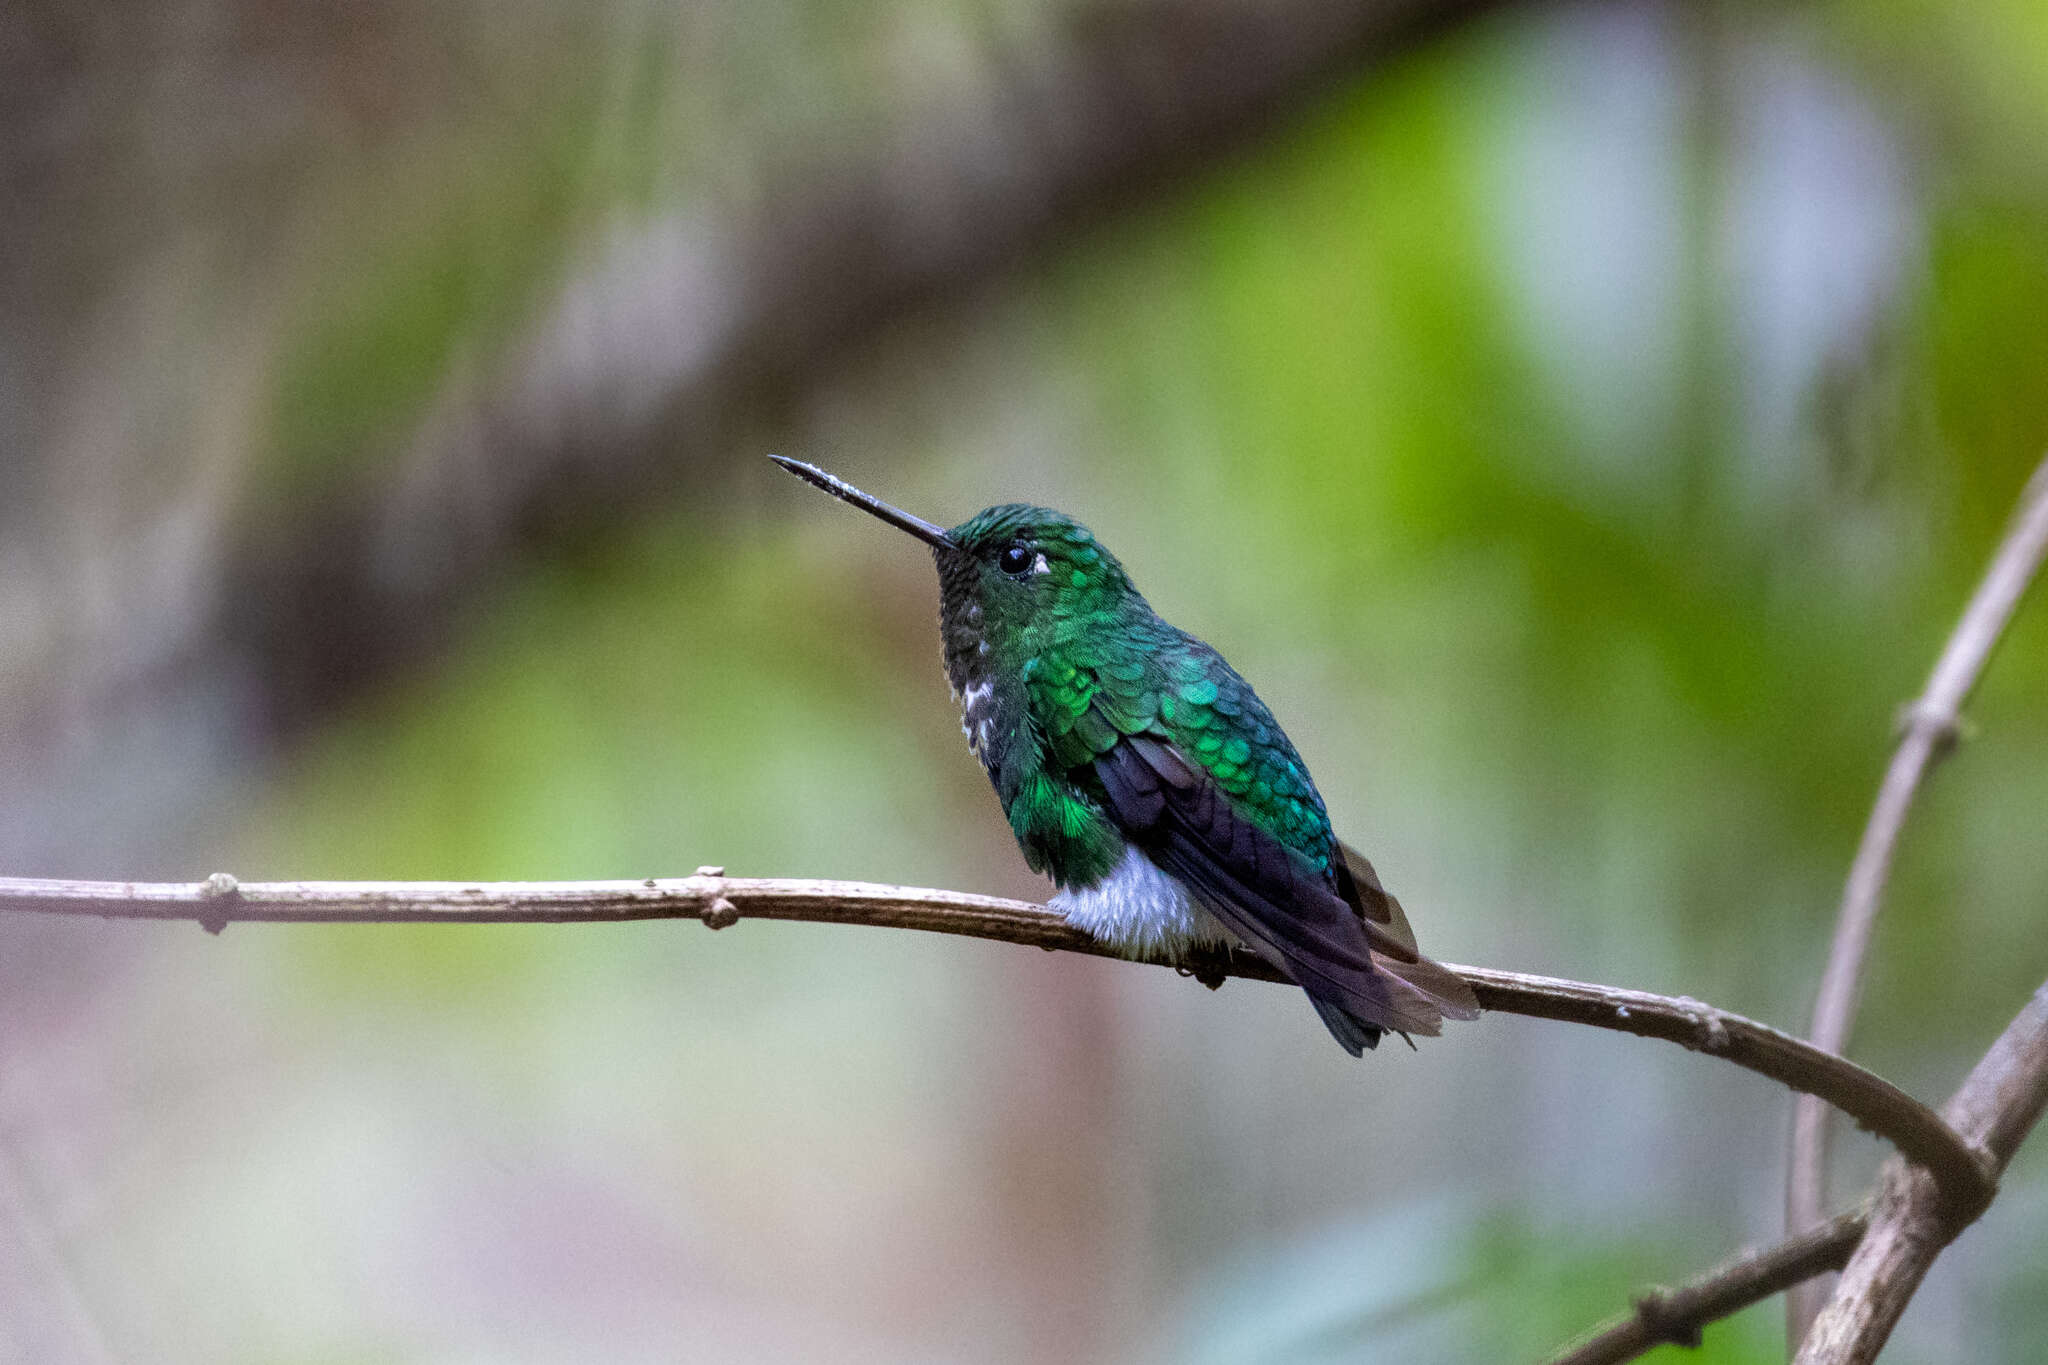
(718, 900)
(1932, 725)
(1676, 1316)
(1911, 1222)
(1994, 1109)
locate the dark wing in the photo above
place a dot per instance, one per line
(1262, 891)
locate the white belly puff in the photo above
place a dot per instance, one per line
(1141, 911)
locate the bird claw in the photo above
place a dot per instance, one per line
(1208, 964)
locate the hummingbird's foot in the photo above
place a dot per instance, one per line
(1208, 963)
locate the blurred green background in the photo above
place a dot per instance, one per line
(1583, 424)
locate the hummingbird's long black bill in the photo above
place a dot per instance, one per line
(846, 492)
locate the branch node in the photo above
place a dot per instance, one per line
(706, 871)
(1653, 1309)
(220, 888)
(1961, 1208)
(1943, 728)
(1711, 1023)
(721, 914)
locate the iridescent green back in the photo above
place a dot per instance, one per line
(1181, 690)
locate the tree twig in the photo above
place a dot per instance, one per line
(1932, 724)
(1994, 1109)
(1911, 1222)
(718, 900)
(1676, 1316)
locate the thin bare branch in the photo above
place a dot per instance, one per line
(1995, 1109)
(719, 900)
(1677, 1316)
(1911, 1222)
(1932, 724)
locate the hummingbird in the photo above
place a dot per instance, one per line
(1147, 779)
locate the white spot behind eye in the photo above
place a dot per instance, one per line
(1038, 564)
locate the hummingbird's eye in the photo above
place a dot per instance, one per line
(1015, 560)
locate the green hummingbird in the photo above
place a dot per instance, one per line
(1149, 781)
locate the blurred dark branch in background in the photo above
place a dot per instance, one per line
(1961, 1171)
(1932, 726)
(647, 377)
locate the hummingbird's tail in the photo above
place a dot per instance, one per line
(1409, 997)
(1352, 1033)
(1420, 988)
(1449, 994)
